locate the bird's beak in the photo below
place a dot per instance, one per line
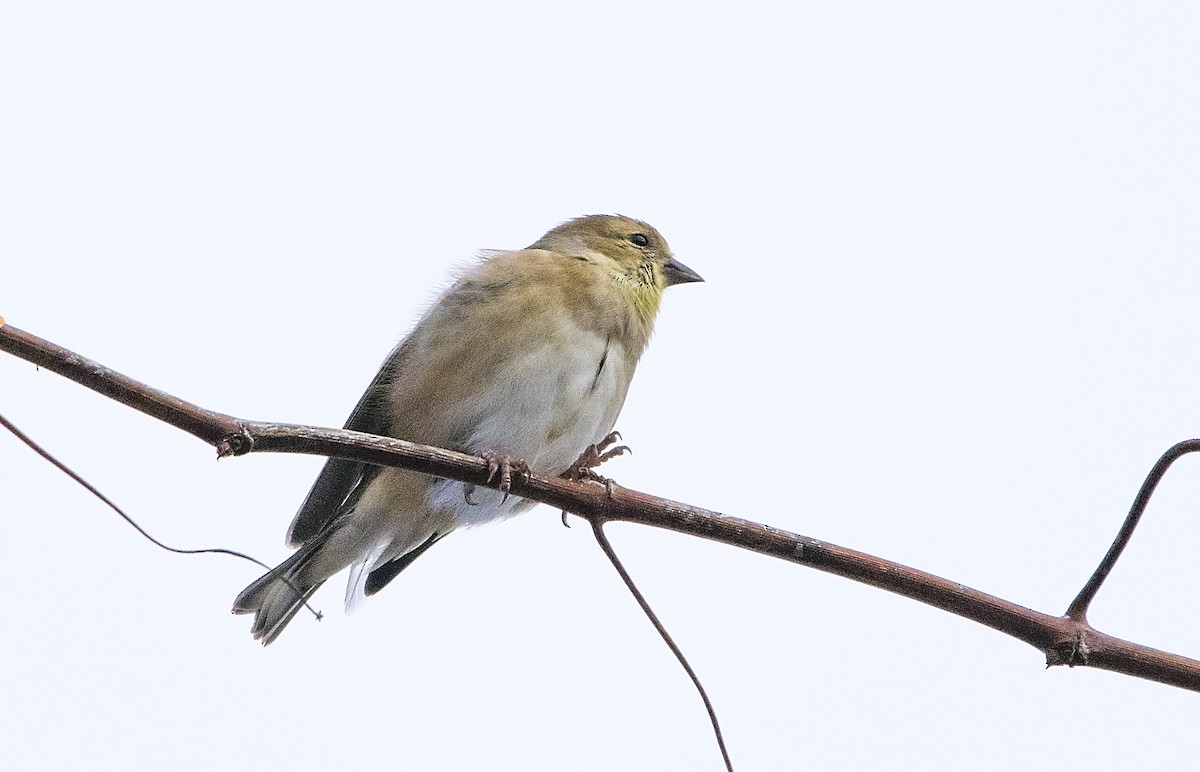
(676, 272)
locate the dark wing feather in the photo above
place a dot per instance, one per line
(340, 477)
(378, 579)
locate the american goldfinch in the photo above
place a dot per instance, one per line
(525, 360)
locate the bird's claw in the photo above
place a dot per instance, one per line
(593, 456)
(505, 467)
(603, 446)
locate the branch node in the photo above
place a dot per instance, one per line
(237, 444)
(1072, 653)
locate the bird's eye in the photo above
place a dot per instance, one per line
(640, 239)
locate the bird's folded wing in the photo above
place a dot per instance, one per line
(340, 477)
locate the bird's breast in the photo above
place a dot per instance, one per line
(589, 404)
(561, 394)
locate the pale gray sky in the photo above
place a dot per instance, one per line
(950, 319)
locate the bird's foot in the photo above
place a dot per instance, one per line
(593, 456)
(504, 467)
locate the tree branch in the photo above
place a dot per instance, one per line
(1065, 640)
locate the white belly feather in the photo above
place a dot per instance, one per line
(546, 407)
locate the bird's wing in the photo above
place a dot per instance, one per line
(342, 479)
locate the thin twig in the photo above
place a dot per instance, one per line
(598, 530)
(20, 435)
(1079, 607)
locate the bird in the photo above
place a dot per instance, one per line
(525, 360)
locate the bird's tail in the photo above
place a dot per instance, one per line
(275, 597)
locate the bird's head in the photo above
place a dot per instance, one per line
(636, 255)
